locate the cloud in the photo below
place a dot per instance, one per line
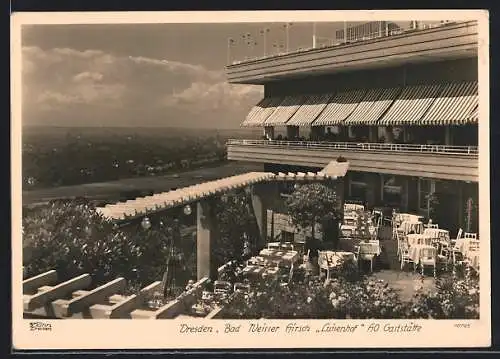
(65, 86)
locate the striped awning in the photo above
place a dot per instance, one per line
(341, 106)
(310, 109)
(454, 105)
(260, 112)
(374, 104)
(473, 118)
(284, 111)
(411, 105)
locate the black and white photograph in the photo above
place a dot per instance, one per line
(264, 179)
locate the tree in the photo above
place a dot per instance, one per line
(313, 203)
(72, 238)
(236, 224)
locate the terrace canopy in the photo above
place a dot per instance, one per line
(310, 110)
(374, 104)
(140, 207)
(284, 111)
(454, 105)
(260, 112)
(443, 104)
(411, 105)
(339, 108)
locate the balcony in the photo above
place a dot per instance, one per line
(430, 161)
(453, 41)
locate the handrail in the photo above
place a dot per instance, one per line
(385, 147)
(410, 27)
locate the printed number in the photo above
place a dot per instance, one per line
(40, 326)
(462, 325)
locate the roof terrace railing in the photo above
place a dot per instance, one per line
(353, 146)
(274, 42)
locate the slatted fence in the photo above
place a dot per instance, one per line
(45, 296)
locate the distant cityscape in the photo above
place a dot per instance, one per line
(90, 155)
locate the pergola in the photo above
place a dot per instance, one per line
(260, 184)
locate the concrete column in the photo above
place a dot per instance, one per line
(317, 132)
(292, 132)
(461, 204)
(206, 233)
(404, 195)
(269, 132)
(372, 134)
(413, 194)
(447, 136)
(263, 197)
(373, 189)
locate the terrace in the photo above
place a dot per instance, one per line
(355, 48)
(430, 161)
(365, 251)
(280, 265)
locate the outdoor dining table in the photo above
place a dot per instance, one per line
(437, 233)
(253, 270)
(332, 259)
(473, 257)
(347, 230)
(408, 217)
(419, 239)
(278, 254)
(463, 245)
(408, 226)
(329, 260)
(370, 247)
(419, 251)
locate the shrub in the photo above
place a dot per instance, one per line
(455, 297)
(273, 301)
(366, 299)
(72, 238)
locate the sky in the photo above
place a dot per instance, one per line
(146, 74)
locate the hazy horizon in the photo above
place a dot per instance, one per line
(155, 75)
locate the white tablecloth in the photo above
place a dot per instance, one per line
(464, 245)
(420, 251)
(407, 227)
(473, 257)
(279, 254)
(367, 248)
(331, 259)
(437, 233)
(419, 239)
(253, 270)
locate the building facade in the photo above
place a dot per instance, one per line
(401, 108)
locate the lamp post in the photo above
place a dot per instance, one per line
(230, 43)
(314, 35)
(245, 40)
(264, 35)
(287, 38)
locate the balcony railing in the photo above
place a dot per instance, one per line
(384, 147)
(278, 43)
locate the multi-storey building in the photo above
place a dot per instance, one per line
(400, 106)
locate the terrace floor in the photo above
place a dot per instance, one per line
(406, 282)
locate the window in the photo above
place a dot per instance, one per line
(425, 188)
(357, 187)
(392, 189)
